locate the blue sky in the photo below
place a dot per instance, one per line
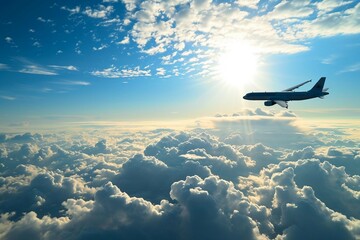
(133, 60)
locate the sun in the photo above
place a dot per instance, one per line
(237, 64)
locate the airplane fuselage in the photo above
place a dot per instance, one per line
(284, 96)
(281, 98)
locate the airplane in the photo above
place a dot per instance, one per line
(281, 98)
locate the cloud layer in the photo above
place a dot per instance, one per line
(199, 184)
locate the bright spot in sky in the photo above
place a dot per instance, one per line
(237, 64)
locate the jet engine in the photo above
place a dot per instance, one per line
(269, 103)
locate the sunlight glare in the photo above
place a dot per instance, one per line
(237, 64)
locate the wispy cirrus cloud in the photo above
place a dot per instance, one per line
(329, 60)
(69, 67)
(3, 66)
(78, 83)
(352, 68)
(39, 70)
(5, 97)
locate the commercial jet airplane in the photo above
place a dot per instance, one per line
(281, 98)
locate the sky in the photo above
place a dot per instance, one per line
(125, 119)
(133, 60)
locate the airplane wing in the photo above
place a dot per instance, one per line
(281, 103)
(294, 87)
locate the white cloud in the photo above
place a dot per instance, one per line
(41, 19)
(292, 9)
(329, 5)
(3, 66)
(114, 72)
(70, 67)
(248, 3)
(35, 69)
(130, 4)
(200, 184)
(36, 44)
(160, 71)
(8, 40)
(10, 98)
(352, 68)
(329, 60)
(102, 12)
(103, 46)
(72, 10)
(81, 83)
(331, 24)
(126, 40)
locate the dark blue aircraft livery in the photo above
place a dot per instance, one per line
(281, 98)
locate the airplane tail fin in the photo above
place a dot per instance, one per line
(318, 87)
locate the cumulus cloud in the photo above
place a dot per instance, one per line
(203, 183)
(114, 72)
(101, 12)
(126, 40)
(292, 9)
(205, 28)
(331, 24)
(9, 40)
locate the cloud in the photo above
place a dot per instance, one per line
(292, 9)
(248, 3)
(79, 83)
(41, 19)
(130, 4)
(114, 72)
(335, 23)
(205, 183)
(72, 10)
(3, 66)
(126, 40)
(327, 6)
(38, 70)
(352, 68)
(23, 138)
(329, 60)
(160, 71)
(70, 67)
(6, 97)
(9, 40)
(103, 46)
(259, 126)
(102, 12)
